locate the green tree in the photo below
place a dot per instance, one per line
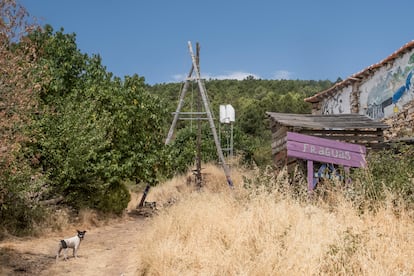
(96, 130)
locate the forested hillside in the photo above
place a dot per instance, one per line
(251, 98)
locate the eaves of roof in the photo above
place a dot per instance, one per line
(357, 77)
(337, 121)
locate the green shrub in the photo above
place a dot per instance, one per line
(18, 219)
(19, 209)
(115, 199)
(389, 171)
(110, 197)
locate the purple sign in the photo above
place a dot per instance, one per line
(325, 150)
(313, 148)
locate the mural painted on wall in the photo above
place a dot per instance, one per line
(334, 105)
(391, 91)
(338, 103)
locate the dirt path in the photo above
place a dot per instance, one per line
(106, 250)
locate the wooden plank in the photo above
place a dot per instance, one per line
(355, 138)
(291, 136)
(278, 144)
(281, 131)
(321, 124)
(355, 121)
(346, 135)
(278, 149)
(279, 140)
(348, 131)
(280, 158)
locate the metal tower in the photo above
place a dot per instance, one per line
(195, 68)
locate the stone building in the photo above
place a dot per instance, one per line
(383, 91)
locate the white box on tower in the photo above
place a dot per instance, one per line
(227, 114)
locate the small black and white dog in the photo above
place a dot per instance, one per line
(73, 242)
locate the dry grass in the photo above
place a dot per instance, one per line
(178, 188)
(66, 222)
(237, 232)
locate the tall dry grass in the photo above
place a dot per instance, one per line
(265, 231)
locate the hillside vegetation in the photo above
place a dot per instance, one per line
(251, 99)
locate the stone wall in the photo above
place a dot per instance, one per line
(401, 124)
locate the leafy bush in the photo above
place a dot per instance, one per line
(106, 197)
(114, 199)
(389, 171)
(19, 211)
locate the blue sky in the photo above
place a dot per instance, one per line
(269, 39)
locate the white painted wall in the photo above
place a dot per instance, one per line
(382, 94)
(339, 103)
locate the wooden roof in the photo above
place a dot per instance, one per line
(357, 77)
(338, 121)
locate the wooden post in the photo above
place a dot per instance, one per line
(347, 177)
(198, 178)
(210, 117)
(180, 104)
(310, 176)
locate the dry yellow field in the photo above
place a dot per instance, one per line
(218, 231)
